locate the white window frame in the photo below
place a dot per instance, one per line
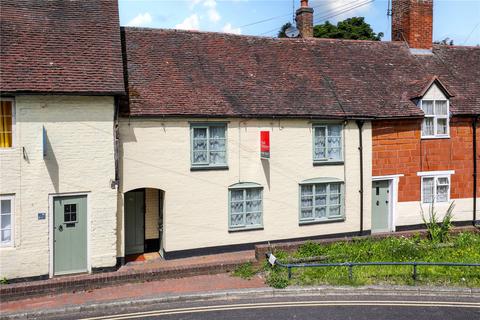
(14, 120)
(435, 175)
(435, 118)
(326, 126)
(244, 187)
(207, 126)
(12, 220)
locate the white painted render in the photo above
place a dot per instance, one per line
(409, 213)
(434, 93)
(80, 159)
(155, 153)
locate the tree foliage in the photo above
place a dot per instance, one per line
(352, 28)
(281, 32)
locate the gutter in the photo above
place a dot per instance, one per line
(360, 149)
(474, 129)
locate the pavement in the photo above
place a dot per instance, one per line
(132, 272)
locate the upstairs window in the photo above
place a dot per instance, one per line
(209, 145)
(436, 122)
(6, 123)
(327, 143)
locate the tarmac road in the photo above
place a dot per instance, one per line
(356, 307)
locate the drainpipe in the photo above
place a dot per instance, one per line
(474, 127)
(360, 149)
(116, 141)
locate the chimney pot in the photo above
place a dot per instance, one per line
(304, 20)
(412, 21)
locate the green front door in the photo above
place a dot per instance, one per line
(70, 235)
(134, 222)
(380, 205)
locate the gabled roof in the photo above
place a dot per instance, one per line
(186, 73)
(70, 47)
(426, 85)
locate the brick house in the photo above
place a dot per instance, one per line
(433, 158)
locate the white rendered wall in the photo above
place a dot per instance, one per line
(156, 154)
(80, 159)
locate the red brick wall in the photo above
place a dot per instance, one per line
(412, 21)
(398, 149)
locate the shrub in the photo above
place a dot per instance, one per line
(438, 231)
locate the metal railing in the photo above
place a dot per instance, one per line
(274, 261)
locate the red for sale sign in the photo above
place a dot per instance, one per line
(265, 144)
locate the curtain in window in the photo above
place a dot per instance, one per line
(6, 124)
(199, 145)
(327, 142)
(320, 201)
(5, 221)
(428, 190)
(236, 208)
(428, 128)
(334, 200)
(334, 142)
(306, 199)
(245, 207)
(253, 206)
(442, 189)
(217, 145)
(320, 143)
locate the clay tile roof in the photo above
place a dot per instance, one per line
(60, 47)
(185, 73)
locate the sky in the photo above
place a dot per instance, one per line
(458, 20)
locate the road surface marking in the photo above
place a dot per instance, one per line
(268, 305)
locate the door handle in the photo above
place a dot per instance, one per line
(60, 228)
(378, 202)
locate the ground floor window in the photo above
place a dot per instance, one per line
(6, 220)
(321, 201)
(436, 189)
(435, 186)
(245, 206)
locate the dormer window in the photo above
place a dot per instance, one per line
(436, 121)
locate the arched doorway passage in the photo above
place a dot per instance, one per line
(143, 217)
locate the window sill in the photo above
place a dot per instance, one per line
(305, 223)
(435, 137)
(245, 229)
(327, 163)
(7, 150)
(209, 168)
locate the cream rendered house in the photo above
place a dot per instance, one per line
(57, 151)
(192, 176)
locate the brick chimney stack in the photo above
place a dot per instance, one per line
(412, 21)
(304, 19)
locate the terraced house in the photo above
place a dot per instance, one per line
(60, 76)
(221, 141)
